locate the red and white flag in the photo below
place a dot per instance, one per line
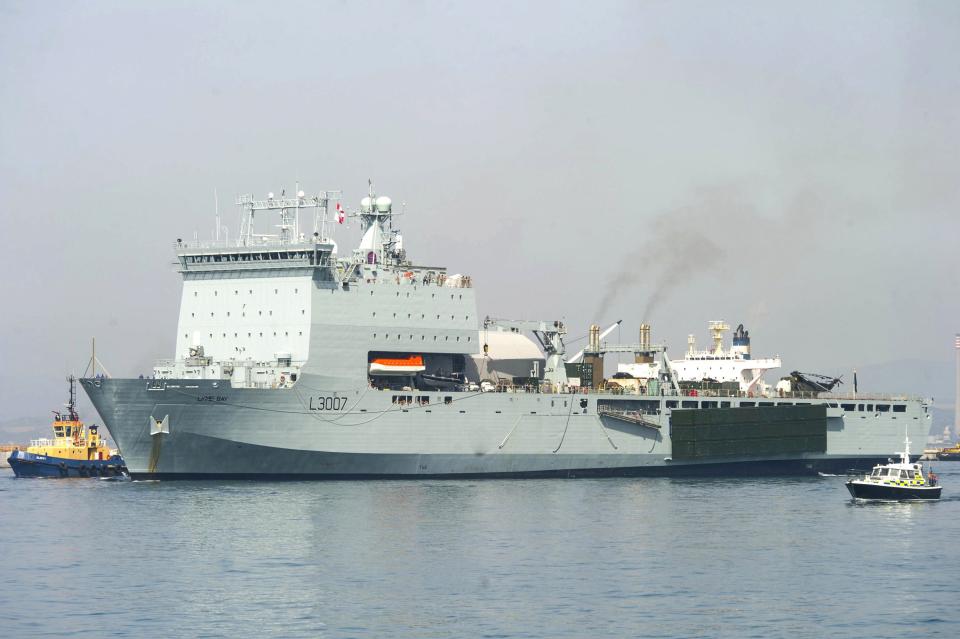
(341, 216)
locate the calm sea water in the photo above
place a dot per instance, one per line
(535, 558)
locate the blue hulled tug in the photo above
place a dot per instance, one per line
(74, 451)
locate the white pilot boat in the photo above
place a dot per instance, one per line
(901, 480)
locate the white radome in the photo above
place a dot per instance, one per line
(384, 204)
(366, 204)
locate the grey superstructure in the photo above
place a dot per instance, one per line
(295, 361)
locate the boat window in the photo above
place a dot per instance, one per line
(876, 472)
(747, 404)
(848, 407)
(909, 473)
(859, 406)
(883, 408)
(724, 404)
(869, 408)
(766, 403)
(884, 472)
(708, 405)
(671, 403)
(687, 404)
(899, 408)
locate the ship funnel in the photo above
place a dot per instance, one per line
(591, 373)
(741, 342)
(644, 356)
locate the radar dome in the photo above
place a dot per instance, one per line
(366, 204)
(299, 193)
(384, 203)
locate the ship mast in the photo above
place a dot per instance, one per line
(289, 208)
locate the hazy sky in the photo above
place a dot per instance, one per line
(792, 166)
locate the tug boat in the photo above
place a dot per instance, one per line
(950, 453)
(74, 451)
(901, 480)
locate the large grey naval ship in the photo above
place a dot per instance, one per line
(295, 359)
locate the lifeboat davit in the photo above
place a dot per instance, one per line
(397, 365)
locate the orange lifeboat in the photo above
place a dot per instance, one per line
(409, 365)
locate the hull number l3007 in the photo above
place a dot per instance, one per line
(328, 403)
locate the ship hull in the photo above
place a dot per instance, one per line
(869, 490)
(25, 464)
(214, 431)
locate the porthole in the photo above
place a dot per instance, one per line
(214, 293)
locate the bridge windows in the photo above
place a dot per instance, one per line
(899, 408)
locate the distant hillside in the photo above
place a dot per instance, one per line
(912, 376)
(20, 430)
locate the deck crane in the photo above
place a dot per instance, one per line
(549, 334)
